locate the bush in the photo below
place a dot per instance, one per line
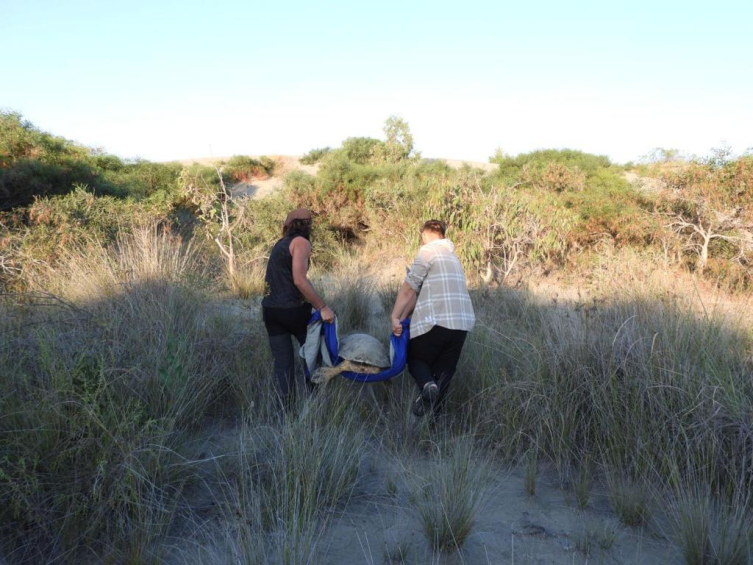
(315, 155)
(610, 207)
(26, 179)
(245, 169)
(709, 203)
(35, 163)
(360, 149)
(554, 177)
(140, 179)
(398, 143)
(337, 192)
(511, 168)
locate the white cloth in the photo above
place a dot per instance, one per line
(315, 346)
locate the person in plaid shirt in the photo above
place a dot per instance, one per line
(436, 294)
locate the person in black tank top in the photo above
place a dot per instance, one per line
(289, 298)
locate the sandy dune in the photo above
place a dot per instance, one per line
(287, 163)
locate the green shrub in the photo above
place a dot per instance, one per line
(20, 140)
(554, 177)
(360, 149)
(609, 206)
(315, 155)
(26, 179)
(511, 168)
(34, 163)
(241, 168)
(398, 143)
(709, 204)
(140, 179)
(336, 193)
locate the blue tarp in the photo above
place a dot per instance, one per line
(399, 351)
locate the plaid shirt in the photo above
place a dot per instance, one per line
(443, 300)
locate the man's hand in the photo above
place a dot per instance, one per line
(397, 327)
(327, 314)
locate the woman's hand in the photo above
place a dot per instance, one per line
(327, 314)
(397, 327)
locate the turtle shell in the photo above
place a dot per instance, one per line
(363, 348)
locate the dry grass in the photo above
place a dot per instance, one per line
(122, 355)
(248, 281)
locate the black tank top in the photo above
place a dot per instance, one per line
(281, 291)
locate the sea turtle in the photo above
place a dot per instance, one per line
(361, 353)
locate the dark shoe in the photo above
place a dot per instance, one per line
(426, 399)
(430, 392)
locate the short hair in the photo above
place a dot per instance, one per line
(436, 226)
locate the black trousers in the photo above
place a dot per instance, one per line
(434, 356)
(281, 324)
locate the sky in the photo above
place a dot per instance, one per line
(165, 80)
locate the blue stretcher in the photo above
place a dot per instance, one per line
(398, 351)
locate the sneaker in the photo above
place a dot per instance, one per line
(430, 392)
(426, 399)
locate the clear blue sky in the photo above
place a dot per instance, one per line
(165, 80)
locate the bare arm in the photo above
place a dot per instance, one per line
(409, 307)
(300, 249)
(404, 304)
(407, 296)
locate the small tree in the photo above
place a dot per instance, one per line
(398, 145)
(713, 201)
(492, 230)
(360, 149)
(662, 155)
(217, 210)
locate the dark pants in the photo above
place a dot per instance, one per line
(281, 324)
(434, 356)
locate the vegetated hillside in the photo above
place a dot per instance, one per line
(138, 421)
(540, 212)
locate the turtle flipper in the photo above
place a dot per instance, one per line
(324, 374)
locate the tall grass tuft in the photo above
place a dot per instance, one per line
(531, 471)
(582, 485)
(290, 476)
(356, 304)
(248, 281)
(448, 493)
(710, 531)
(630, 500)
(596, 378)
(101, 379)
